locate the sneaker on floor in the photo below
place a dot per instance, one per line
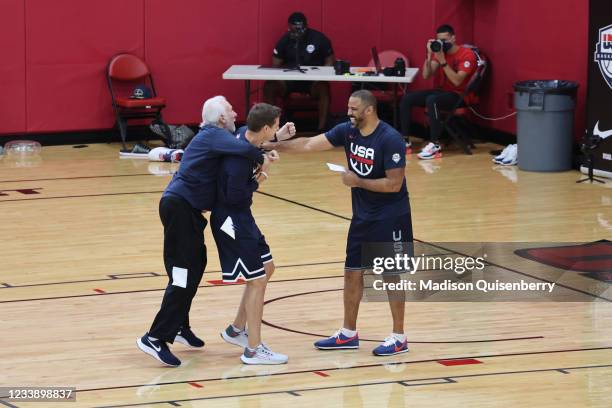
(429, 152)
(237, 338)
(187, 337)
(391, 346)
(500, 157)
(511, 158)
(262, 355)
(165, 154)
(139, 150)
(338, 341)
(157, 349)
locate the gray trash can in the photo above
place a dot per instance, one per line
(545, 124)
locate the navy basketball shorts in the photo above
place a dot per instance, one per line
(242, 248)
(368, 239)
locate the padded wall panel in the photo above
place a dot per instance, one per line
(12, 67)
(531, 40)
(554, 45)
(457, 13)
(190, 43)
(68, 44)
(495, 33)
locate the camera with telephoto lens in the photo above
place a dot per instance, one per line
(399, 66)
(440, 45)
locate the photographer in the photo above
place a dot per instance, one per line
(451, 66)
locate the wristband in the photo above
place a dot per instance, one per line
(275, 140)
(263, 173)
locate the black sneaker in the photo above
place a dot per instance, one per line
(187, 337)
(157, 349)
(139, 150)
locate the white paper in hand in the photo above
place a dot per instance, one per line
(336, 167)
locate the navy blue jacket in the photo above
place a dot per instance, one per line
(236, 180)
(196, 179)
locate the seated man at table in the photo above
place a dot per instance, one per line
(301, 46)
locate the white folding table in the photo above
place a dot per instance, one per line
(250, 73)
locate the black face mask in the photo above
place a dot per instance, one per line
(297, 31)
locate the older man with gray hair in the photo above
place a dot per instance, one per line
(191, 192)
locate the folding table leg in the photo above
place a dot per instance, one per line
(247, 97)
(122, 125)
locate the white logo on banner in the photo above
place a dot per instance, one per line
(603, 53)
(604, 134)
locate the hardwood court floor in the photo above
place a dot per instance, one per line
(81, 277)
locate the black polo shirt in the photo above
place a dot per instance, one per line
(312, 49)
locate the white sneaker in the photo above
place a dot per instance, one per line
(262, 355)
(240, 339)
(429, 151)
(500, 157)
(511, 158)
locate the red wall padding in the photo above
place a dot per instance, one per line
(12, 67)
(68, 44)
(55, 53)
(189, 43)
(528, 39)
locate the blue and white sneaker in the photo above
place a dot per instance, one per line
(511, 159)
(237, 338)
(157, 349)
(500, 157)
(431, 151)
(262, 355)
(391, 346)
(338, 341)
(187, 337)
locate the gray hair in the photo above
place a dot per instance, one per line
(212, 110)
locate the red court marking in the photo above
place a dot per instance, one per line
(99, 291)
(28, 190)
(196, 385)
(459, 362)
(321, 373)
(220, 282)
